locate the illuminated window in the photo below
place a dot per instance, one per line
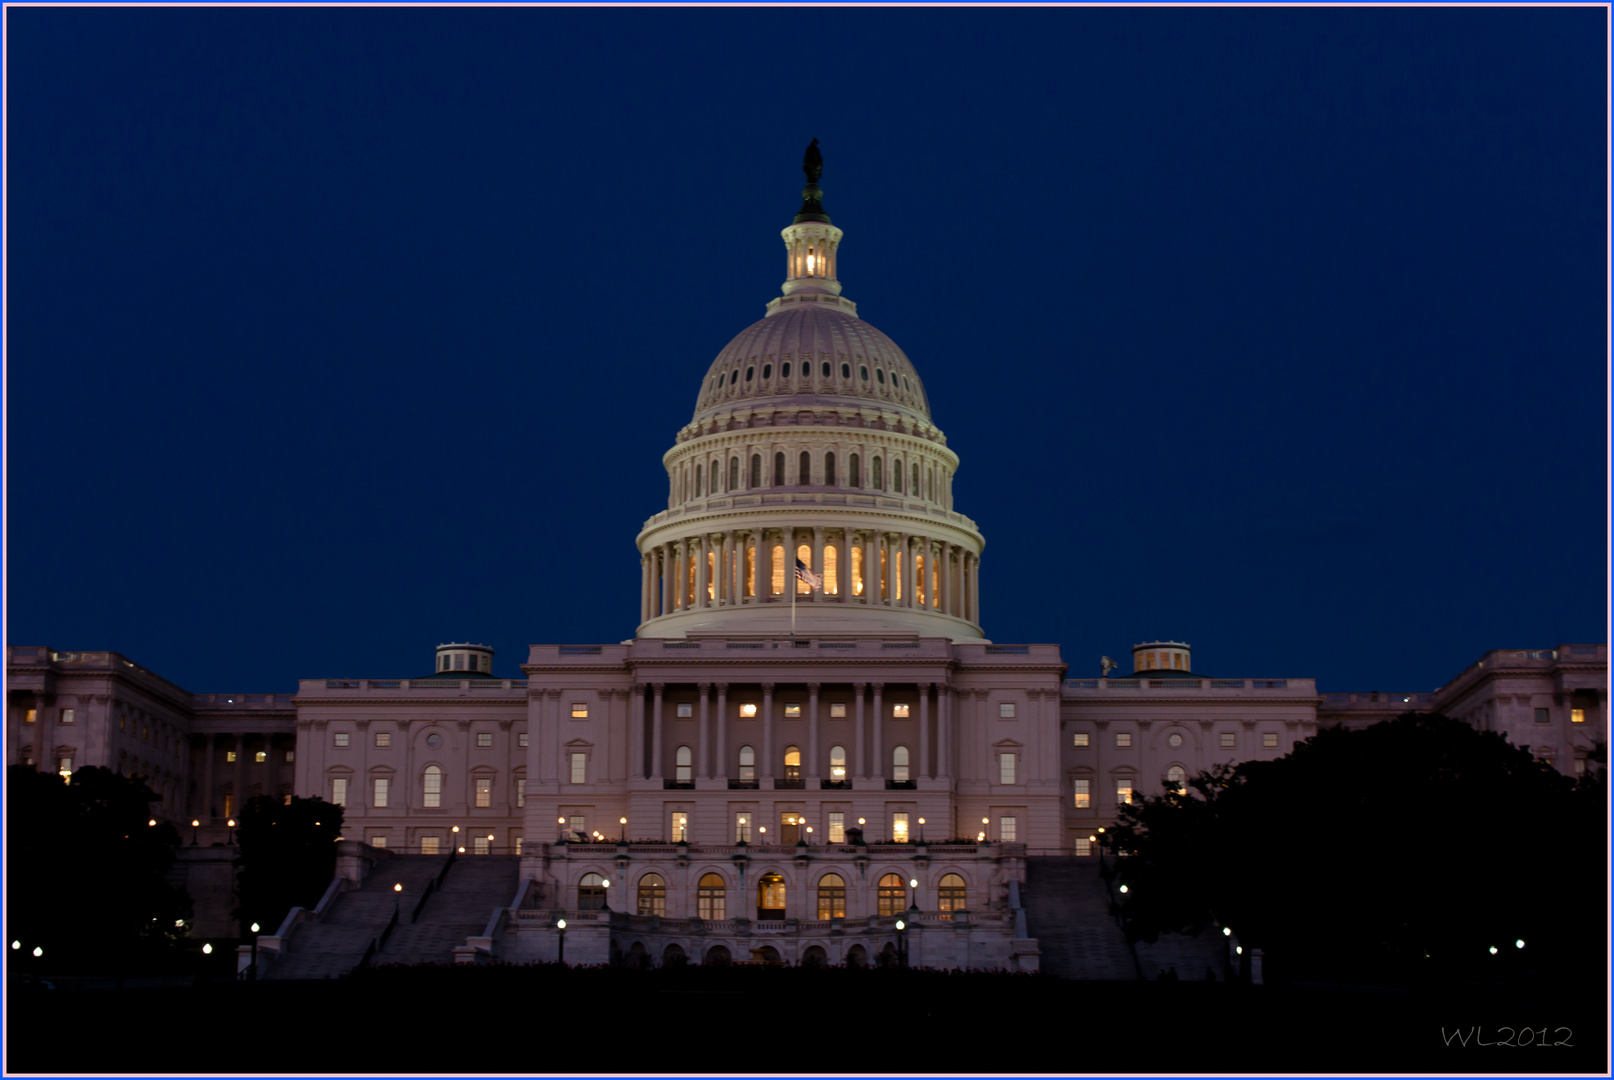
(484, 792)
(899, 828)
(684, 765)
(481, 845)
(837, 827)
(1229, 740)
(857, 568)
(579, 710)
(1123, 739)
(521, 791)
(577, 823)
(431, 786)
(229, 801)
(341, 740)
(686, 710)
(899, 712)
(792, 763)
(1006, 710)
(380, 798)
(68, 714)
(748, 710)
(832, 561)
(429, 844)
(591, 893)
(679, 826)
(1084, 794)
(804, 555)
(710, 897)
(579, 768)
(1577, 716)
(837, 763)
(742, 828)
(484, 739)
(383, 738)
(1005, 768)
(1084, 846)
(378, 840)
(792, 709)
(521, 739)
(899, 764)
(229, 755)
(892, 895)
(1123, 792)
(748, 763)
(831, 897)
(652, 895)
(1175, 779)
(1079, 739)
(778, 581)
(1269, 740)
(1543, 716)
(771, 893)
(1008, 829)
(516, 840)
(291, 755)
(750, 569)
(950, 895)
(338, 794)
(32, 716)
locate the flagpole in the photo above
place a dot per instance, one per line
(793, 580)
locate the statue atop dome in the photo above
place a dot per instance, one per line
(812, 163)
(812, 199)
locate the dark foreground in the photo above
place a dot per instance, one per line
(760, 1020)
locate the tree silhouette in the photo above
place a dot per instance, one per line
(288, 857)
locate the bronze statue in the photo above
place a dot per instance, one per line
(812, 198)
(813, 163)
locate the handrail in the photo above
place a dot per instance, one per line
(391, 923)
(431, 887)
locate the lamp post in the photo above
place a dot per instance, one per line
(252, 968)
(196, 823)
(986, 823)
(921, 830)
(454, 841)
(490, 843)
(562, 823)
(229, 838)
(560, 925)
(624, 823)
(902, 944)
(397, 901)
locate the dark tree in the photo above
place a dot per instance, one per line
(288, 857)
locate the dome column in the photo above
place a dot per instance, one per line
(732, 568)
(701, 573)
(644, 588)
(871, 568)
(816, 595)
(666, 584)
(910, 572)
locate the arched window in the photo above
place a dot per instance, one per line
(832, 577)
(792, 763)
(892, 895)
(915, 487)
(854, 476)
(778, 570)
(779, 469)
(824, 369)
(804, 555)
(899, 764)
(831, 897)
(684, 768)
(734, 473)
(771, 897)
(805, 474)
(784, 370)
(829, 469)
(697, 481)
(837, 764)
(748, 764)
(950, 895)
(431, 786)
(652, 895)
(711, 898)
(756, 470)
(921, 585)
(896, 477)
(591, 893)
(1175, 778)
(879, 476)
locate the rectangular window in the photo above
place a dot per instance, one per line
(1577, 716)
(837, 710)
(579, 710)
(481, 845)
(899, 828)
(229, 802)
(1543, 716)
(1269, 740)
(516, 840)
(431, 788)
(1084, 846)
(747, 710)
(742, 828)
(484, 739)
(521, 793)
(1007, 829)
(579, 768)
(577, 823)
(1005, 768)
(291, 755)
(1079, 739)
(837, 827)
(378, 841)
(338, 792)
(64, 769)
(32, 716)
(1084, 795)
(67, 716)
(793, 709)
(1229, 740)
(381, 784)
(229, 757)
(484, 792)
(1123, 792)
(286, 799)
(1006, 710)
(260, 757)
(679, 826)
(383, 738)
(340, 737)
(899, 712)
(685, 710)
(1123, 739)
(521, 739)
(428, 844)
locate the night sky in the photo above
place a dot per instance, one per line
(337, 333)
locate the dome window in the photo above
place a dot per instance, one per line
(905, 385)
(824, 371)
(767, 371)
(879, 375)
(734, 376)
(846, 371)
(749, 372)
(865, 372)
(784, 370)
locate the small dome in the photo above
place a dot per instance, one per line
(811, 355)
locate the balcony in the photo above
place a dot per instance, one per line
(901, 785)
(789, 783)
(742, 785)
(678, 785)
(835, 785)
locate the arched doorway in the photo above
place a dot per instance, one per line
(638, 959)
(770, 897)
(887, 957)
(814, 957)
(719, 956)
(857, 957)
(674, 956)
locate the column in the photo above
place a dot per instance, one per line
(765, 773)
(733, 569)
(944, 695)
(812, 770)
(240, 778)
(878, 756)
(701, 574)
(787, 540)
(910, 576)
(756, 566)
(666, 584)
(655, 731)
(957, 564)
(923, 772)
(871, 575)
(644, 588)
(269, 766)
(720, 766)
(636, 733)
(818, 561)
(860, 757)
(704, 770)
(205, 811)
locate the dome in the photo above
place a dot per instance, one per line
(811, 355)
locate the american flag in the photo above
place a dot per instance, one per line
(804, 574)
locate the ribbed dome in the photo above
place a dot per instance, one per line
(812, 355)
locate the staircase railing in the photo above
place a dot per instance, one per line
(433, 885)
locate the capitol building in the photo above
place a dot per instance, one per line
(809, 751)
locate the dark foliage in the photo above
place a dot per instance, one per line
(288, 857)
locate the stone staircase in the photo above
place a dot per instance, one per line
(475, 888)
(1068, 912)
(334, 946)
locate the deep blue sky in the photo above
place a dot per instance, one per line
(336, 333)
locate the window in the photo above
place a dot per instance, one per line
(291, 755)
(742, 828)
(1577, 716)
(652, 895)
(32, 716)
(679, 829)
(1084, 794)
(685, 710)
(684, 770)
(804, 474)
(580, 710)
(771, 894)
(899, 712)
(229, 800)
(837, 764)
(748, 710)
(1229, 740)
(380, 797)
(341, 740)
(579, 768)
(756, 470)
(431, 786)
(521, 739)
(855, 477)
(1006, 710)
(67, 718)
(831, 897)
(484, 739)
(1123, 792)
(892, 895)
(338, 794)
(1084, 846)
(378, 840)
(1543, 716)
(1269, 740)
(829, 469)
(1175, 779)
(428, 844)
(577, 823)
(383, 738)
(793, 709)
(837, 710)
(484, 792)
(1079, 739)
(591, 893)
(260, 757)
(792, 763)
(1174, 740)
(482, 845)
(748, 763)
(516, 840)
(1123, 739)
(899, 828)
(950, 895)
(710, 898)
(899, 764)
(1008, 829)
(1005, 768)
(837, 827)
(229, 756)
(779, 466)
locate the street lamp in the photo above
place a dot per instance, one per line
(207, 950)
(397, 901)
(490, 843)
(624, 823)
(195, 824)
(562, 823)
(902, 944)
(921, 830)
(152, 821)
(252, 968)
(763, 829)
(230, 836)
(560, 925)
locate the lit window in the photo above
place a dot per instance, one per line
(340, 736)
(521, 739)
(1006, 710)
(837, 764)
(229, 756)
(67, 718)
(521, 793)
(577, 823)
(684, 768)
(793, 709)
(229, 802)
(591, 893)
(64, 768)
(899, 712)
(260, 757)
(1123, 738)
(899, 828)
(709, 898)
(1084, 794)
(378, 841)
(748, 763)
(837, 827)
(1175, 777)
(431, 786)
(685, 710)
(383, 738)
(1079, 739)
(837, 709)
(748, 709)
(679, 826)
(652, 895)
(742, 828)
(338, 793)
(484, 792)
(484, 739)
(831, 897)
(286, 798)
(899, 764)
(1269, 740)
(481, 845)
(1543, 716)
(1577, 716)
(950, 895)
(580, 710)
(892, 896)
(1007, 828)
(1229, 740)
(1174, 740)
(32, 716)
(792, 763)
(1123, 792)
(1005, 768)
(381, 791)
(516, 840)
(291, 755)
(428, 844)
(579, 768)
(1084, 846)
